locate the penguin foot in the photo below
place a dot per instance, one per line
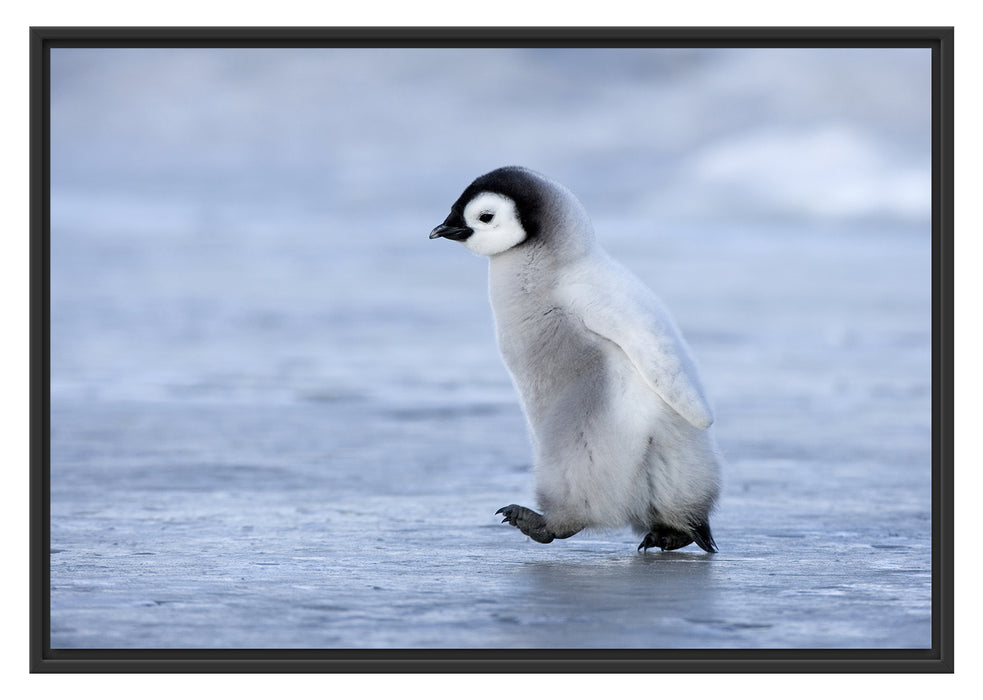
(667, 538)
(531, 523)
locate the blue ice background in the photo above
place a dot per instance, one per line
(241, 279)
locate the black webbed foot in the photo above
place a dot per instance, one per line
(530, 523)
(667, 538)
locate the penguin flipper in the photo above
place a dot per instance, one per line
(632, 318)
(531, 523)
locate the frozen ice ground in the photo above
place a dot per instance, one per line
(278, 415)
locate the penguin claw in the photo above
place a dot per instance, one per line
(514, 514)
(703, 537)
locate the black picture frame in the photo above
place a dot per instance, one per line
(937, 659)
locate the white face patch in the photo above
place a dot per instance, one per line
(495, 223)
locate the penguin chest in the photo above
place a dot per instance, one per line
(548, 353)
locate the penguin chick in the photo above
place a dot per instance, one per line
(619, 421)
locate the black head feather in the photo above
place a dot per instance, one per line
(520, 185)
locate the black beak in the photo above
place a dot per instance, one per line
(455, 233)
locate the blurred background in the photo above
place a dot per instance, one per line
(239, 221)
(245, 303)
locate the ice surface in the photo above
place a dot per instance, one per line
(278, 415)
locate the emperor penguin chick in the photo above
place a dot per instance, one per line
(619, 420)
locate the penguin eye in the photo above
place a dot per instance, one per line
(486, 217)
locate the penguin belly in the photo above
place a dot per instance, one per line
(588, 417)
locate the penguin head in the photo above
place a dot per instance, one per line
(498, 211)
(514, 207)
(491, 225)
